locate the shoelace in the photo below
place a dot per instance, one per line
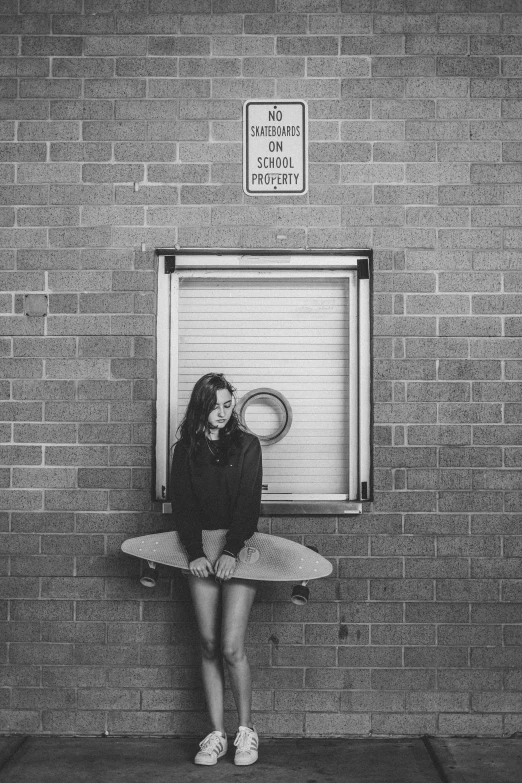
(244, 739)
(210, 742)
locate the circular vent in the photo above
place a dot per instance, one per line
(272, 413)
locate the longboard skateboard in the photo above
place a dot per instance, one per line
(264, 558)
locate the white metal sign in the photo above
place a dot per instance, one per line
(275, 147)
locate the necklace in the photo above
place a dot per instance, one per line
(214, 453)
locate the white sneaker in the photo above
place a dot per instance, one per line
(246, 742)
(212, 747)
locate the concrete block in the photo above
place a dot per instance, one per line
(390, 88)
(20, 500)
(73, 411)
(403, 23)
(495, 88)
(115, 88)
(440, 173)
(44, 477)
(182, 131)
(508, 173)
(437, 216)
(436, 44)
(471, 194)
(13, 109)
(335, 24)
(109, 478)
(495, 45)
(150, 24)
(278, 24)
(22, 152)
(176, 88)
(80, 151)
(372, 44)
(215, 109)
(51, 46)
(341, 67)
(79, 25)
(24, 194)
(397, 680)
(119, 172)
(48, 131)
(48, 216)
(113, 45)
(76, 500)
(200, 24)
(146, 66)
(437, 130)
(242, 46)
(63, 303)
(44, 347)
(472, 151)
(473, 24)
(48, 172)
(79, 67)
(438, 435)
(475, 327)
(104, 433)
(106, 303)
(473, 725)
(154, 110)
(474, 67)
(436, 87)
(42, 654)
(474, 239)
(512, 194)
(50, 88)
(76, 455)
(478, 501)
(403, 66)
(81, 110)
(346, 109)
(468, 109)
(104, 346)
(510, 67)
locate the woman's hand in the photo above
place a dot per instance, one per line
(225, 567)
(201, 567)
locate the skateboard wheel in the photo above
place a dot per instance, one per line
(149, 576)
(300, 595)
(249, 554)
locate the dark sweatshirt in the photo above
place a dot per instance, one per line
(210, 495)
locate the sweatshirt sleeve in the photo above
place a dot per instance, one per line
(248, 500)
(184, 504)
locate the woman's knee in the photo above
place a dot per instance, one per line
(233, 653)
(210, 648)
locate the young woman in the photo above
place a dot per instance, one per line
(216, 483)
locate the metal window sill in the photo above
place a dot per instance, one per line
(299, 507)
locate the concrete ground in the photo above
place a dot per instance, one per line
(138, 760)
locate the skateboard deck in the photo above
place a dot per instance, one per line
(264, 558)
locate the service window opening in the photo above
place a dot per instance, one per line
(292, 335)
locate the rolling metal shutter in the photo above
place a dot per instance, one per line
(289, 334)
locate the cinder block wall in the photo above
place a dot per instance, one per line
(415, 149)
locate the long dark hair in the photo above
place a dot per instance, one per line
(202, 400)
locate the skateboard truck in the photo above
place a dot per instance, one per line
(301, 592)
(150, 574)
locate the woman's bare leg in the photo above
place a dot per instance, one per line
(238, 597)
(206, 597)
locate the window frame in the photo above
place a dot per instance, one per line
(354, 265)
